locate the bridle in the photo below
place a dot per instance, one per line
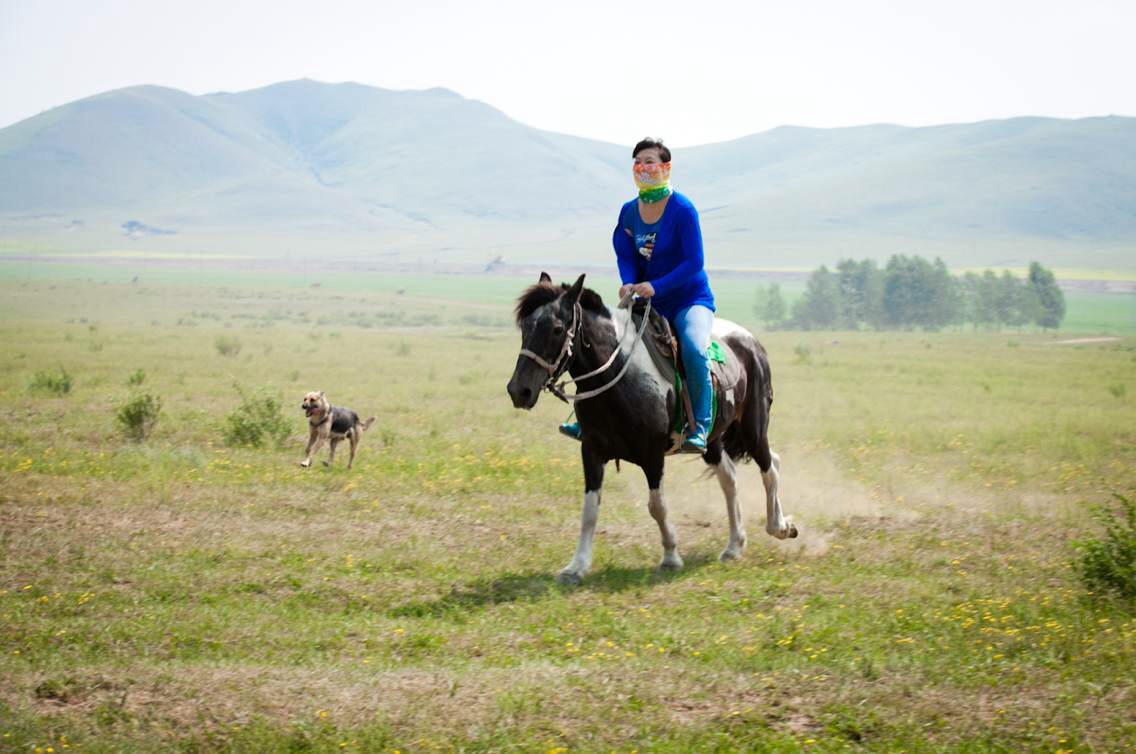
(557, 368)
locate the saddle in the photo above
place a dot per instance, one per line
(666, 353)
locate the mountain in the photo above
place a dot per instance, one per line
(346, 170)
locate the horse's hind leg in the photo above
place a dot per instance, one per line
(775, 521)
(728, 479)
(658, 508)
(757, 444)
(577, 568)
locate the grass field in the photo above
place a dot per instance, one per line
(178, 594)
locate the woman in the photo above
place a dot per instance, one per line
(658, 247)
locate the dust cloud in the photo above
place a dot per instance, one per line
(814, 494)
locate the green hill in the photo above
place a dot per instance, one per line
(424, 177)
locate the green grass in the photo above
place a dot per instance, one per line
(178, 594)
(1113, 313)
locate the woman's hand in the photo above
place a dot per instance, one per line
(646, 290)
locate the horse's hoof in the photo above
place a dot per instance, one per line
(728, 555)
(305, 464)
(789, 532)
(327, 463)
(670, 563)
(569, 578)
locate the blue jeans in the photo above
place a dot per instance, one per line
(693, 325)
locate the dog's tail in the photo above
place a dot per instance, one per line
(367, 424)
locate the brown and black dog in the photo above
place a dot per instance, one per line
(330, 424)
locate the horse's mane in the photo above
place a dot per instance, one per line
(536, 296)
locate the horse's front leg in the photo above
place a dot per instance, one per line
(575, 571)
(658, 508)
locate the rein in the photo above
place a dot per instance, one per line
(557, 368)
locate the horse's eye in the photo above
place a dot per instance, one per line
(558, 330)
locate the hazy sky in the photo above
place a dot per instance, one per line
(693, 71)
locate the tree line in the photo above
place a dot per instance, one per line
(910, 292)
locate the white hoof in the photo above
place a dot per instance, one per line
(305, 464)
(569, 578)
(730, 553)
(671, 562)
(789, 532)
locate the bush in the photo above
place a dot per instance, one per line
(1109, 563)
(228, 345)
(257, 420)
(136, 378)
(139, 415)
(56, 383)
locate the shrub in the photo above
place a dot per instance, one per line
(1108, 563)
(257, 420)
(228, 345)
(136, 378)
(139, 415)
(56, 383)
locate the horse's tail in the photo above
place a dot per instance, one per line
(367, 424)
(748, 438)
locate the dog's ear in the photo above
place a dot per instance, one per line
(577, 288)
(545, 279)
(321, 394)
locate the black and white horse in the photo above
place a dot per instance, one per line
(633, 409)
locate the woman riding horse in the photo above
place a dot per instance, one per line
(658, 247)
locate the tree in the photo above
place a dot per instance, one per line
(860, 289)
(986, 304)
(769, 305)
(918, 293)
(817, 308)
(968, 298)
(1050, 299)
(1014, 304)
(944, 297)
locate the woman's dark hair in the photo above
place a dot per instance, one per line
(650, 143)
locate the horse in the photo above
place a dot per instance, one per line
(627, 408)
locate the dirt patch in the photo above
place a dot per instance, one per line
(1082, 341)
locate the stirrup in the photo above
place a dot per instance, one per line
(694, 442)
(571, 429)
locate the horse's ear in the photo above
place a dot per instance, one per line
(576, 289)
(545, 279)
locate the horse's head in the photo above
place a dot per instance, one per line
(548, 317)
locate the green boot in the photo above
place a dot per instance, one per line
(695, 442)
(571, 429)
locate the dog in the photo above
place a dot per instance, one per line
(330, 424)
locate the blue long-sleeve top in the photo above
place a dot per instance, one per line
(667, 254)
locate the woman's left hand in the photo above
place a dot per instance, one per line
(646, 290)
